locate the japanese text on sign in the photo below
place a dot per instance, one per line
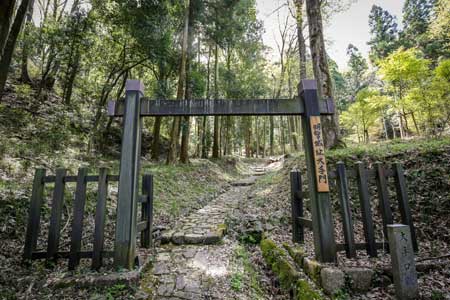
(319, 155)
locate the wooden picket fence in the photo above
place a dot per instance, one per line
(60, 179)
(362, 176)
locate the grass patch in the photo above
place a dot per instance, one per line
(390, 148)
(247, 276)
(179, 188)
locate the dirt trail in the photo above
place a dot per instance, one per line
(197, 260)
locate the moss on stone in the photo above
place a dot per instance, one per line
(276, 258)
(297, 254)
(286, 273)
(312, 268)
(304, 291)
(268, 247)
(221, 229)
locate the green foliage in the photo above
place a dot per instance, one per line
(443, 71)
(418, 90)
(115, 291)
(277, 260)
(341, 295)
(417, 16)
(23, 91)
(246, 276)
(354, 80)
(236, 281)
(379, 152)
(437, 295)
(440, 25)
(404, 68)
(363, 114)
(305, 292)
(384, 33)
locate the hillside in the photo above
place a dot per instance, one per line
(427, 168)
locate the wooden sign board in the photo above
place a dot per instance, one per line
(319, 155)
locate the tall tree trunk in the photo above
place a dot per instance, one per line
(415, 123)
(162, 93)
(248, 136)
(6, 17)
(301, 38)
(156, 143)
(322, 74)
(271, 136)
(155, 149)
(264, 137)
(8, 51)
(299, 4)
(76, 57)
(205, 126)
(205, 134)
(283, 134)
(257, 136)
(175, 132)
(186, 121)
(25, 76)
(216, 139)
(228, 119)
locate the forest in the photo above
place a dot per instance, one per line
(62, 61)
(214, 49)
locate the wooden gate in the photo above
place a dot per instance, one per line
(60, 180)
(135, 106)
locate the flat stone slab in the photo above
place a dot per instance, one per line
(189, 271)
(259, 174)
(244, 182)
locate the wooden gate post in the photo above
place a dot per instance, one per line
(323, 230)
(297, 207)
(125, 243)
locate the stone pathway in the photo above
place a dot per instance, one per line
(193, 272)
(195, 259)
(207, 225)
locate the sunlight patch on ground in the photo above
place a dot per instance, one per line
(203, 261)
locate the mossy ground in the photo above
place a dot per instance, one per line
(289, 277)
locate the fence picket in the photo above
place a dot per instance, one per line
(56, 214)
(402, 198)
(366, 211)
(34, 218)
(383, 196)
(78, 215)
(147, 211)
(297, 207)
(100, 217)
(347, 222)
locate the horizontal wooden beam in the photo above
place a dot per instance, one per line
(141, 226)
(65, 254)
(90, 178)
(371, 174)
(361, 246)
(220, 107)
(305, 222)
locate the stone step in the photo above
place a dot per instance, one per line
(259, 174)
(200, 237)
(244, 182)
